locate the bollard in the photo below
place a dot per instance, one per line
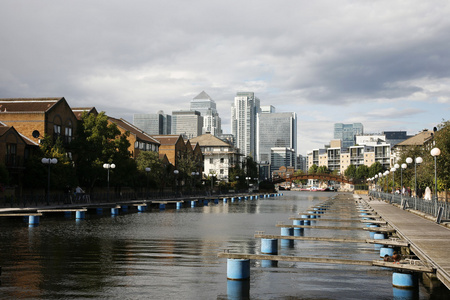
(404, 280)
(265, 263)
(238, 269)
(205, 202)
(141, 208)
(225, 200)
(269, 246)
(79, 215)
(378, 236)
(114, 211)
(179, 204)
(216, 201)
(312, 216)
(192, 203)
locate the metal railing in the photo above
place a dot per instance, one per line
(430, 207)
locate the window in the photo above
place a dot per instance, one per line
(221, 171)
(56, 132)
(211, 161)
(11, 152)
(222, 160)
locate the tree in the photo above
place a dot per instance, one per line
(350, 172)
(375, 168)
(323, 170)
(442, 138)
(362, 172)
(313, 169)
(158, 176)
(98, 142)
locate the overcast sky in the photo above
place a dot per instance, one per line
(383, 63)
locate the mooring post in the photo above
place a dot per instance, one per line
(80, 215)
(386, 250)
(141, 208)
(114, 211)
(404, 280)
(179, 204)
(287, 231)
(33, 221)
(192, 203)
(99, 210)
(269, 246)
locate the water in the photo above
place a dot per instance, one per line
(172, 254)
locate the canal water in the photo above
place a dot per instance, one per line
(172, 254)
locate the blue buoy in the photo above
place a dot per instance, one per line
(225, 200)
(287, 231)
(205, 202)
(405, 294)
(179, 204)
(216, 201)
(298, 231)
(298, 222)
(162, 206)
(114, 211)
(79, 215)
(386, 250)
(404, 280)
(312, 216)
(33, 221)
(269, 246)
(99, 210)
(192, 203)
(141, 208)
(232, 200)
(238, 269)
(265, 263)
(124, 208)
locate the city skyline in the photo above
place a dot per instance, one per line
(383, 64)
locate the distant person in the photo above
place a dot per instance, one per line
(79, 192)
(388, 258)
(427, 193)
(396, 257)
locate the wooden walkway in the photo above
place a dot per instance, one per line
(427, 239)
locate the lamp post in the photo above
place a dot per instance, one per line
(435, 152)
(176, 172)
(212, 181)
(49, 161)
(417, 161)
(247, 178)
(108, 167)
(147, 170)
(393, 177)
(376, 182)
(401, 176)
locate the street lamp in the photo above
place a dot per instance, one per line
(435, 152)
(49, 161)
(212, 181)
(393, 177)
(404, 166)
(147, 170)
(247, 178)
(107, 167)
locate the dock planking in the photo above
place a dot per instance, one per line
(327, 220)
(320, 227)
(310, 238)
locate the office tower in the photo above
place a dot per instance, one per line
(187, 123)
(281, 157)
(276, 130)
(153, 124)
(243, 122)
(347, 132)
(207, 108)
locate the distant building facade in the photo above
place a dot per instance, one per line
(158, 123)
(244, 112)
(187, 123)
(347, 133)
(207, 108)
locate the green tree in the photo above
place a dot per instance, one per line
(362, 172)
(323, 170)
(313, 169)
(98, 142)
(350, 172)
(442, 139)
(158, 176)
(375, 168)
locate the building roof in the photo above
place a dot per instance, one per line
(202, 96)
(78, 111)
(417, 140)
(169, 139)
(5, 128)
(141, 135)
(210, 140)
(27, 105)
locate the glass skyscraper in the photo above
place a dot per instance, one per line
(153, 124)
(347, 133)
(244, 112)
(207, 108)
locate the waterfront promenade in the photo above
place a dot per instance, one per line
(428, 240)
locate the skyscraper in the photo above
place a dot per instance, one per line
(187, 123)
(276, 130)
(347, 132)
(153, 124)
(243, 122)
(207, 108)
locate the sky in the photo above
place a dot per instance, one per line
(382, 63)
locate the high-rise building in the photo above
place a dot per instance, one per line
(282, 157)
(243, 122)
(276, 130)
(187, 123)
(153, 124)
(207, 108)
(347, 132)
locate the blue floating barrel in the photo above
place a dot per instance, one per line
(238, 269)
(251, 197)
(238, 289)
(33, 220)
(404, 280)
(141, 208)
(379, 236)
(298, 222)
(386, 250)
(312, 216)
(404, 294)
(99, 210)
(124, 208)
(162, 206)
(192, 203)
(205, 202)
(179, 204)
(265, 263)
(232, 199)
(225, 200)
(269, 246)
(298, 231)
(216, 201)
(287, 231)
(80, 215)
(114, 211)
